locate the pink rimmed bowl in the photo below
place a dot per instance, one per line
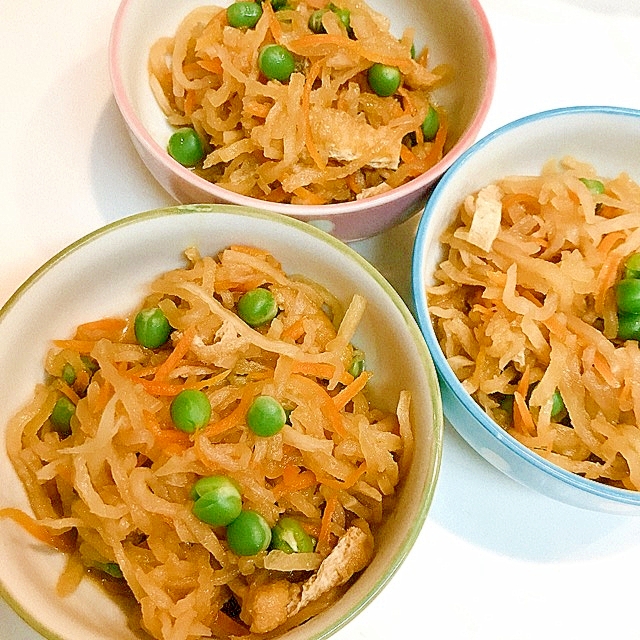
(457, 33)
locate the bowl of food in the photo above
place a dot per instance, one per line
(523, 283)
(207, 432)
(343, 116)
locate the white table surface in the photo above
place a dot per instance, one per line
(494, 560)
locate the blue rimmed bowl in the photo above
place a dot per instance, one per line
(607, 138)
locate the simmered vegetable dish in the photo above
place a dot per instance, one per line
(213, 455)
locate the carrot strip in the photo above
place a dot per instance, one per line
(609, 241)
(343, 397)
(353, 183)
(257, 109)
(235, 417)
(179, 351)
(523, 384)
(213, 65)
(606, 279)
(60, 542)
(69, 392)
(104, 395)
(103, 328)
(294, 330)
(170, 440)
(299, 481)
(290, 473)
(520, 199)
(601, 365)
(236, 285)
(327, 407)
(83, 347)
(522, 418)
(308, 197)
(437, 146)
(322, 370)
(406, 155)
(160, 388)
(324, 537)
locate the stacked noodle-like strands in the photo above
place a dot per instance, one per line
(116, 491)
(323, 136)
(537, 313)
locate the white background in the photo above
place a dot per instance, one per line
(494, 560)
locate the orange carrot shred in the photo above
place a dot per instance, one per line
(344, 396)
(522, 416)
(179, 351)
(104, 328)
(83, 347)
(69, 392)
(235, 417)
(37, 530)
(324, 537)
(327, 407)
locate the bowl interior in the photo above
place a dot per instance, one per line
(106, 273)
(456, 32)
(607, 138)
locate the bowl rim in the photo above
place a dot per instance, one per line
(614, 494)
(302, 212)
(436, 430)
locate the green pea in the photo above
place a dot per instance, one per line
(315, 19)
(430, 124)
(266, 416)
(629, 326)
(244, 15)
(186, 147)
(632, 266)
(248, 534)
(68, 374)
(61, 415)
(278, 5)
(383, 79)
(506, 403)
(289, 536)
(595, 186)
(90, 365)
(557, 405)
(190, 410)
(110, 568)
(151, 327)
(276, 62)
(344, 15)
(217, 500)
(628, 296)
(257, 307)
(357, 363)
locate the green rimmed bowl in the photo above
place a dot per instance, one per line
(106, 273)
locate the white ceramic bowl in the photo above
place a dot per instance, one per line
(606, 137)
(456, 31)
(107, 273)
